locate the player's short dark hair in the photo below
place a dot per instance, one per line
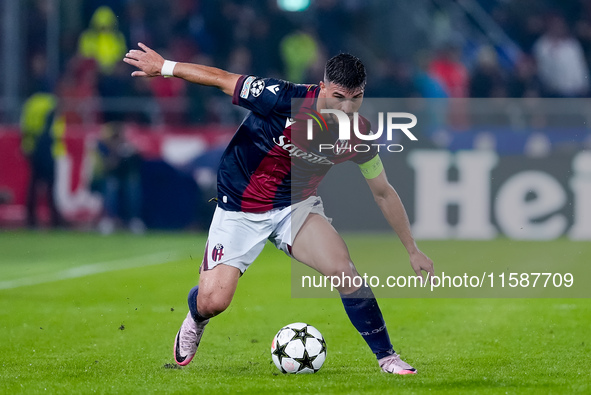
(345, 70)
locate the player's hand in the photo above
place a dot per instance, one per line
(147, 60)
(421, 262)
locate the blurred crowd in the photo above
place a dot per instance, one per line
(423, 48)
(553, 41)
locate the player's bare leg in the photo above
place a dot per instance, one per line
(319, 246)
(211, 297)
(216, 289)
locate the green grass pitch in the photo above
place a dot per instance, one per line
(81, 313)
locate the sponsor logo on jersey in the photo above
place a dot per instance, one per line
(299, 153)
(257, 88)
(246, 87)
(273, 89)
(217, 253)
(289, 122)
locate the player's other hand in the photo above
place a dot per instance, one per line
(421, 262)
(147, 60)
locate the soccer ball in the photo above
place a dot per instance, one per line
(298, 348)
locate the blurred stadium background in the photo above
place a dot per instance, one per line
(143, 152)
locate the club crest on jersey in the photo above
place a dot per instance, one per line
(341, 146)
(257, 88)
(217, 252)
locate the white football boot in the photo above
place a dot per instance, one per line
(187, 340)
(393, 364)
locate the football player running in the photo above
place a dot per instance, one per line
(260, 198)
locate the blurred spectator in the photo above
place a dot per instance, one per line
(36, 38)
(170, 94)
(42, 131)
(447, 68)
(583, 29)
(38, 80)
(279, 27)
(299, 51)
(141, 90)
(262, 61)
(137, 29)
(240, 61)
(561, 62)
(524, 21)
(394, 79)
(90, 6)
(333, 23)
(103, 41)
(117, 173)
(450, 71)
(426, 85)
(188, 25)
(35, 46)
(524, 81)
(78, 89)
(114, 85)
(487, 79)
(435, 113)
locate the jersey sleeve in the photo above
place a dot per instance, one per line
(263, 95)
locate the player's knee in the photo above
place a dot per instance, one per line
(342, 268)
(211, 305)
(343, 276)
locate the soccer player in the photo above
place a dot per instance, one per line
(267, 191)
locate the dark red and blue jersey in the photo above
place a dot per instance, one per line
(270, 163)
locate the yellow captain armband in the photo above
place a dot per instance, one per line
(372, 168)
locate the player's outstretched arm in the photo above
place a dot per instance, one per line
(150, 62)
(389, 202)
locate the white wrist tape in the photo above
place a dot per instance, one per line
(168, 68)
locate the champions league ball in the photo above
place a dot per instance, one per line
(298, 348)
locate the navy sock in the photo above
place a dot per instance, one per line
(193, 304)
(365, 315)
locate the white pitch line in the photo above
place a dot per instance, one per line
(90, 269)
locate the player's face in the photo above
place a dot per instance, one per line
(336, 97)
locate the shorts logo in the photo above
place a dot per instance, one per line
(257, 88)
(246, 87)
(217, 253)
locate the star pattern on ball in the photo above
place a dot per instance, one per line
(305, 361)
(302, 334)
(323, 344)
(280, 351)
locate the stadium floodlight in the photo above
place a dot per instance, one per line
(293, 5)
